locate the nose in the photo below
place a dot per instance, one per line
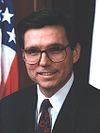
(44, 60)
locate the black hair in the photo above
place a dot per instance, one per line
(48, 17)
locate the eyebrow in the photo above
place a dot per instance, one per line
(56, 44)
(50, 45)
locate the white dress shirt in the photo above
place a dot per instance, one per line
(56, 100)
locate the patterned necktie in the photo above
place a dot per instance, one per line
(44, 125)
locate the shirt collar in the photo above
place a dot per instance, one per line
(58, 98)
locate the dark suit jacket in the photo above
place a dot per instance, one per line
(80, 112)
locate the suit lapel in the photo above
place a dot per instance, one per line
(68, 114)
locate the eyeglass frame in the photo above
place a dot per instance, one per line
(45, 51)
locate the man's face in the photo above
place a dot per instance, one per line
(49, 75)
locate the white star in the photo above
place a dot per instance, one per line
(7, 16)
(2, 1)
(12, 36)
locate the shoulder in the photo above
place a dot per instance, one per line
(93, 109)
(93, 93)
(14, 109)
(18, 98)
(94, 97)
(17, 104)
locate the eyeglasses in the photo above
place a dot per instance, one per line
(56, 54)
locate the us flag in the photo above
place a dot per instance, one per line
(8, 56)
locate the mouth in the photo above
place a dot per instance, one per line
(47, 74)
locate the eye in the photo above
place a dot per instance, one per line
(32, 51)
(56, 49)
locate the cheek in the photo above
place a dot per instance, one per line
(31, 70)
(66, 67)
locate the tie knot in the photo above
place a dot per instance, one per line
(45, 105)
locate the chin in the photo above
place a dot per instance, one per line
(47, 85)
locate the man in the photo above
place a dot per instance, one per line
(50, 48)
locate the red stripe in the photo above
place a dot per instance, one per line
(12, 82)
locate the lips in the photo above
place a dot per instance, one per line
(46, 73)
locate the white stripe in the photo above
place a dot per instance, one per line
(0, 53)
(8, 55)
(94, 79)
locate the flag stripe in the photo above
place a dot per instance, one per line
(8, 60)
(12, 80)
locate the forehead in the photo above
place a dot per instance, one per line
(45, 36)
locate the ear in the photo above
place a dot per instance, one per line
(76, 52)
(23, 54)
